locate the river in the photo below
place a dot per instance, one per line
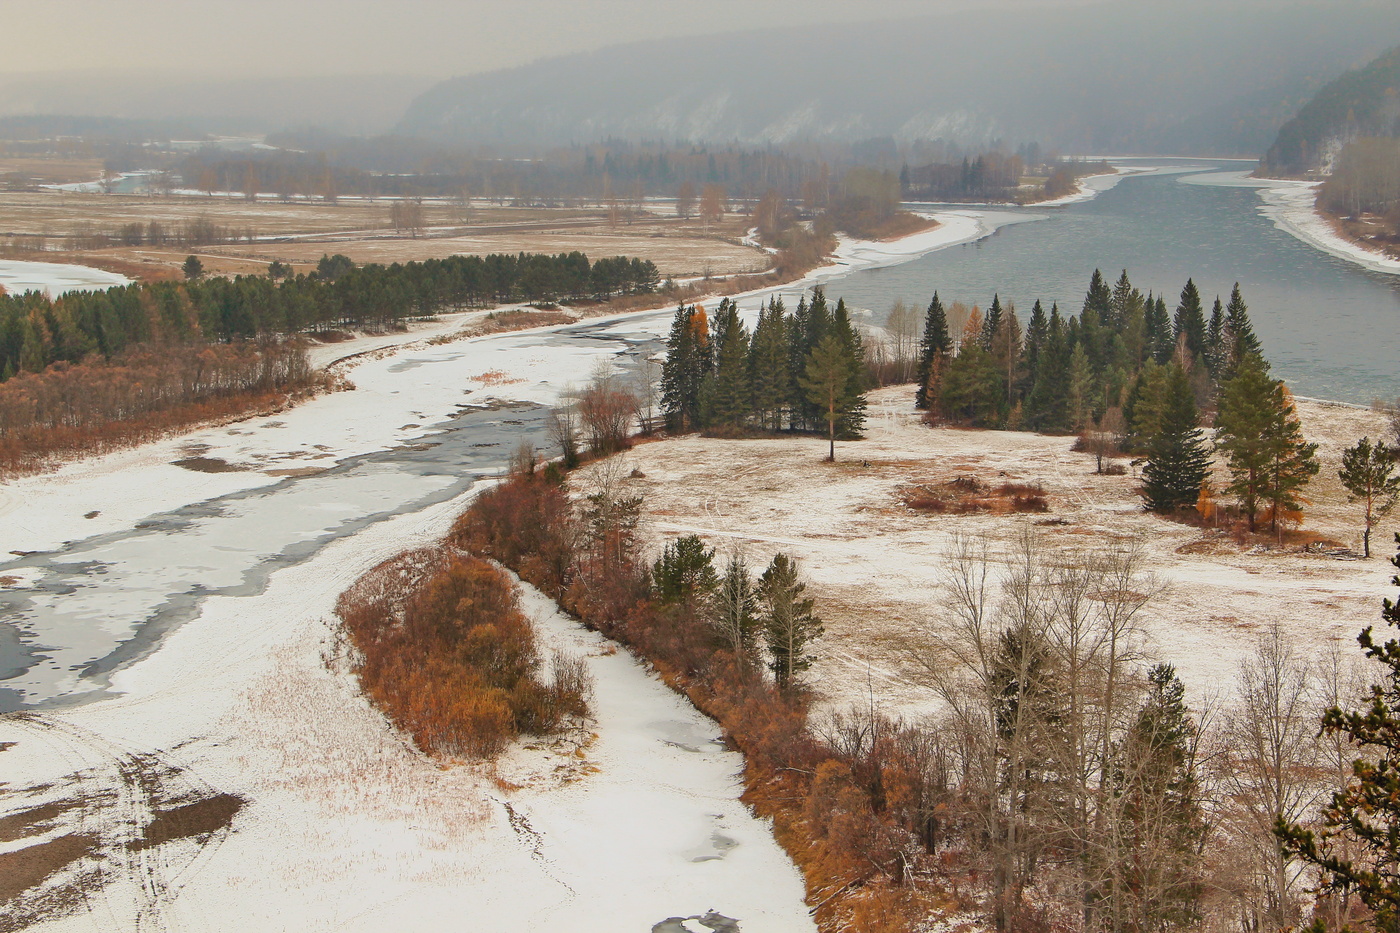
(100, 602)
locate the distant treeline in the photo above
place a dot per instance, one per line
(36, 331)
(992, 176)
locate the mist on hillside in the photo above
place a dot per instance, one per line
(1083, 80)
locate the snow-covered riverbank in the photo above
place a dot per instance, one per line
(345, 826)
(1291, 205)
(53, 278)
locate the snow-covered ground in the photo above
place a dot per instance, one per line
(53, 278)
(1291, 205)
(877, 567)
(345, 826)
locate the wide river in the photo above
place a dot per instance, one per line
(96, 605)
(1330, 328)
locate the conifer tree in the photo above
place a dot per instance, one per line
(934, 348)
(1368, 473)
(990, 324)
(1258, 431)
(1358, 847)
(684, 574)
(1163, 341)
(1178, 462)
(1215, 341)
(687, 363)
(1047, 407)
(768, 366)
(852, 420)
(1237, 336)
(736, 608)
(1190, 321)
(790, 624)
(729, 399)
(1080, 389)
(1163, 827)
(1037, 329)
(827, 381)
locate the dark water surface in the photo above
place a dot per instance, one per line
(1330, 328)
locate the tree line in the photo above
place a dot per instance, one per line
(37, 331)
(799, 371)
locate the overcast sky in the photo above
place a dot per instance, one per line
(435, 38)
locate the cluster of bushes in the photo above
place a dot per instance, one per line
(140, 395)
(36, 331)
(440, 645)
(856, 805)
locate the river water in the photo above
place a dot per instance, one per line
(98, 604)
(1330, 328)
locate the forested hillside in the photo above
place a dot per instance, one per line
(1361, 103)
(1093, 78)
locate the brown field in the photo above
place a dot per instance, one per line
(52, 226)
(50, 171)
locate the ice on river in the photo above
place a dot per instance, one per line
(53, 278)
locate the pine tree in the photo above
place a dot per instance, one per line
(730, 399)
(934, 348)
(1237, 336)
(1162, 342)
(1190, 321)
(768, 365)
(827, 381)
(1358, 848)
(1046, 410)
(1368, 473)
(852, 419)
(684, 574)
(790, 624)
(1080, 388)
(687, 363)
(1215, 341)
(1163, 827)
(990, 324)
(1178, 462)
(1258, 431)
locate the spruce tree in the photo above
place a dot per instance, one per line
(1046, 410)
(1037, 329)
(687, 363)
(790, 624)
(827, 381)
(852, 420)
(1163, 340)
(1368, 473)
(1215, 341)
(1191, 321)
(990, 324)
(684, 574)
(768, 366)
(1237, 336)
(1357, 850)
(1178, 462)
(934, 347)
(1258, 431)
(730, 399)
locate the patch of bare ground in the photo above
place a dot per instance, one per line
(1370, 231)
(872, 532)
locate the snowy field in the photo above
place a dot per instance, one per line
(343, 826)
(876, 566)
(53, 278)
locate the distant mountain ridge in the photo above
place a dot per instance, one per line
(1364, 102)
(1095, 79)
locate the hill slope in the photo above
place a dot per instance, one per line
(1103, 78)
(1364, 102)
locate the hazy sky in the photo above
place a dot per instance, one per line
(424, 37)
